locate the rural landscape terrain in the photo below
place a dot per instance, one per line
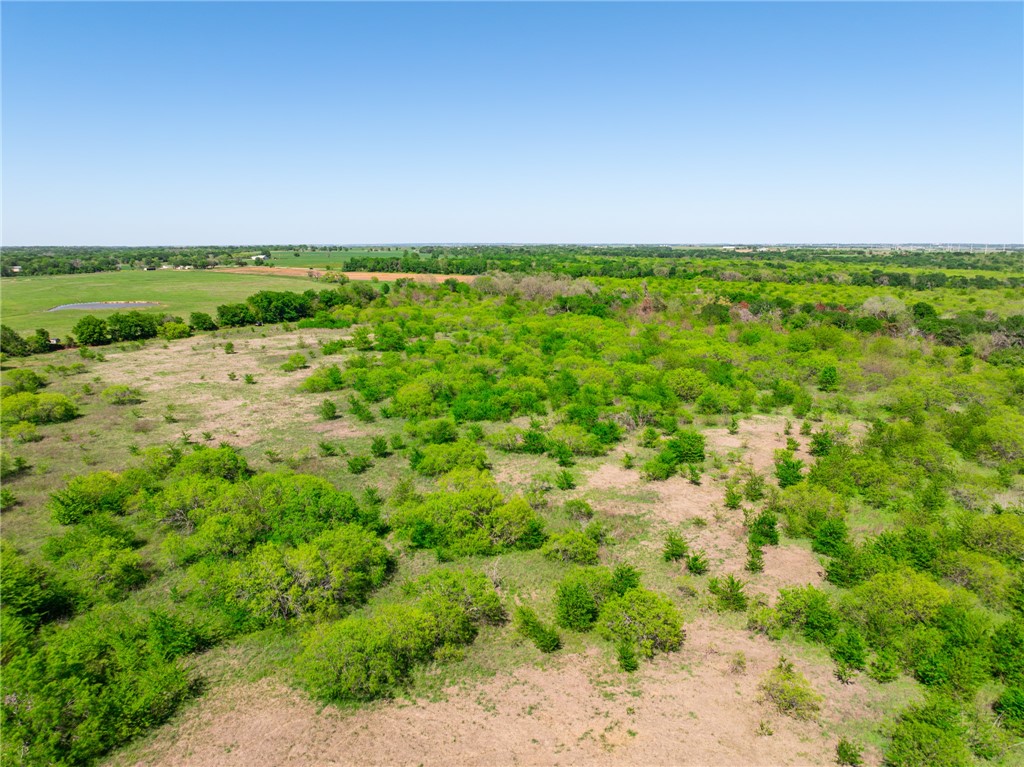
(488, 505)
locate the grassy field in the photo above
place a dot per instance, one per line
(325, 258)
(24, 301)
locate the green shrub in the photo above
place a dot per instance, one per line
(21, 380)
(644, 619)
(1008, 652)
(121, 395)
(327, 410)
(733, 497)
(564, 480)
(626, 654)
(224, 462)
(849, 753)
(788, 470)
(172, 331)
(23, 432)
(441, 459)
(764, 529)
(8, 500)
(295, 362)
(201, 321)
(790, 692)
(545, 638)
(101, 492)
(571, 546)
(755, 558)
(580, 595)
(1010, 706)
(469, 516)
(578, 509)
(730, 593)
(809, 611)
(363, 658)
(358, 464)
(849, 648)
(697, 562)
(93, 685)
(885, 667)
(929, 735)
(657, 470)
(324, 379)
(38, 408)
(675, 547)
(379, 447)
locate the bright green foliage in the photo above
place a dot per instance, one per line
(327, 410)
(930, 735)
(675, 547)
(171, 331)
(764, 530)
(131, 326)
(1008, 652)
(30, 592)
(20, 380)
(359, 464)
(626, 654)
(849, 753)
(730, 593)
(644, 619)
(530, 626)
(571, 546)
(100, 492)
(788, 470)
(363, 658)
(93, 685)
(890, 603)
(1010, 706)
(578, 509)
(790, 692)
(697, 562)
(324, 379)
(121, 395)
(468, 515)
(441, 459)
(849, 648)
(580, 595)
(38, 408)
(224, 462)
(91, 331)
(316, 580)
(98, 557)
(295, 362)
(809, 611)
(828, 379)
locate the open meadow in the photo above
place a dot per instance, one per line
(534, 519)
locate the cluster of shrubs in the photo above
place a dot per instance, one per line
(364, 657)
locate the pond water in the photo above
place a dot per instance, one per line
(95, 305)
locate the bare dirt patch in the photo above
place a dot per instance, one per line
(690, 708)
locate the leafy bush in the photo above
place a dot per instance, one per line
(545, 638)
(327, 410)
(441, 459)
(644, 619)
(675, 547)
(121, 395)
(571, 546)
(363, 658)
(788, 470)
(1010, 706)
(101, 492)
(224, 462)
(201, 321)
(21, 380)
(171, 331)
(295, 362)
(697, 562)
(358, 464)
(578, 509)
(38, 408)
(580, 595)
(469, 516)
(730, 593)
(93, 685)
(790, 692)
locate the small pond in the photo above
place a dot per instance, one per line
(95, 305)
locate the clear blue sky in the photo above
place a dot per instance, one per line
(204, 123)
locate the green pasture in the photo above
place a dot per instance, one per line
(320, 258)
(24, 301)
